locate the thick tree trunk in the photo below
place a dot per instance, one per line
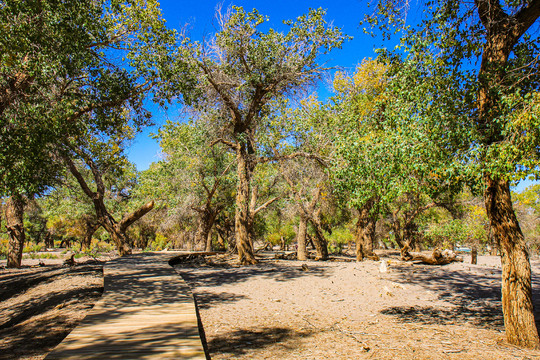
(301, 253)
(15, 230)
(242, 219)
(503, 32)
(516, 269)
(365, 232)
(89, 230)
(321, 245)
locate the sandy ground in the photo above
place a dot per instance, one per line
(349, 310)
(40, 305)
(280, 310)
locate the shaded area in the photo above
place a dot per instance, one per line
(32, 322)
(215, 277)
(14, 283)
(44, 333)
(242, 341)
(19, 313)
(206, 300)
(474, 295)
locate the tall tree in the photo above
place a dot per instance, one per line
(478, 63)
(71, 69)
(241, 71)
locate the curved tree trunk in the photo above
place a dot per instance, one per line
(117, 230)
(301, 253)
(15, 230)
(89, 230)
(516, 269)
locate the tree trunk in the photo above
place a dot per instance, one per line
(221, 241)
(474, 255)
(301, 253)
(242, 219)
(365, 232)
(516, 269)
(89, 230)
(206, 221)
(15, 230)
(321, 245)
(208, 247)
(49, 241)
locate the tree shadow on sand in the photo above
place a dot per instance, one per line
(206, 300)
(474, 295)
(218, 276)
(242, 341)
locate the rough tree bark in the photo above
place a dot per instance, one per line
(517, 302)
(242, 219)
(321, 245)
(365, 232)
(15, 230)
(301, 253)
(206, 221)
(90, 228)
(502, 33)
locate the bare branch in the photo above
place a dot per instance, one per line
(223, 141)
(265, 205)
(136, 215)
(295, 155)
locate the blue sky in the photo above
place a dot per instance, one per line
(198, 19)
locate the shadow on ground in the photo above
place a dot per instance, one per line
(32, 327)
(473, 292)
(217, 276)
(243, 341)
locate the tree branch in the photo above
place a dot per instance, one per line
(265, 205)
(223, 141)
(136, 215)
(80, 179)
(295, 155)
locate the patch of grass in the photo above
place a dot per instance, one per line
(40, 256)
(32, 248)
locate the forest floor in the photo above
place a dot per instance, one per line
(281, 310)
(348, 310)
(40, 305)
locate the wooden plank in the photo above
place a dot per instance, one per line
(146, 312)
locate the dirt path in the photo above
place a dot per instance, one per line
(348, 310)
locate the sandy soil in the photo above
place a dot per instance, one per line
(40, 305)
(281, 310)
(349, 310)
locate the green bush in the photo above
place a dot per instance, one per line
(32, 248)
(159, 243)
(338, 239)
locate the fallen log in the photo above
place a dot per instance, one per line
(436, 258)
(197, 257)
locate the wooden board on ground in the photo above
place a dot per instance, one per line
(146, 312)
